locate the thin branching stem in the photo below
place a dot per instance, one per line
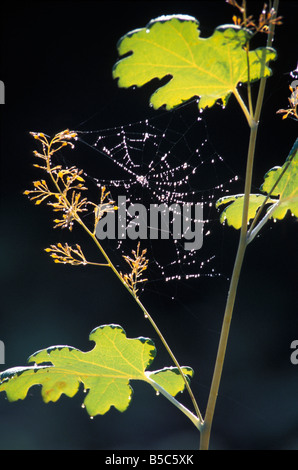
(243, 107)
(149, 317)
(249, 97)
(195, 420)
(255, 228)
(131, 291)
(206, 429)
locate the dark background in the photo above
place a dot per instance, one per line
(56, 62)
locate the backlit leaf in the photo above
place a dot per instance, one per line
(170, 379)
(287, 188)
(283, 179)
(105, 371)
(233, 212)
(209, 68)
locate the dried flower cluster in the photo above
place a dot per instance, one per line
(67, 254)
(292, 111)
(67, 182)
(266, 17)
(66, 198)
(138, 264)
(106, 205)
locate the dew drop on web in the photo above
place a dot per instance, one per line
(168, 159)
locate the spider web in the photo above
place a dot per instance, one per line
(168, 159)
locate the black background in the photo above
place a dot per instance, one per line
(56, 62)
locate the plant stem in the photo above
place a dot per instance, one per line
(252, 234)
(206, 429)
(196, 421)
(253, 230)
(148, 316)
(205, 434)
(249, 97)
(243, 107)
(117, 273)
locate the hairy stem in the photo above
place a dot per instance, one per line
(206, 429)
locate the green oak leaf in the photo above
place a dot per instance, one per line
(169, 377)
(232, 214)
(105, 371)
(209, 68)
(286, 188)
(283, 179)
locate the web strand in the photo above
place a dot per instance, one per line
(164, 160)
